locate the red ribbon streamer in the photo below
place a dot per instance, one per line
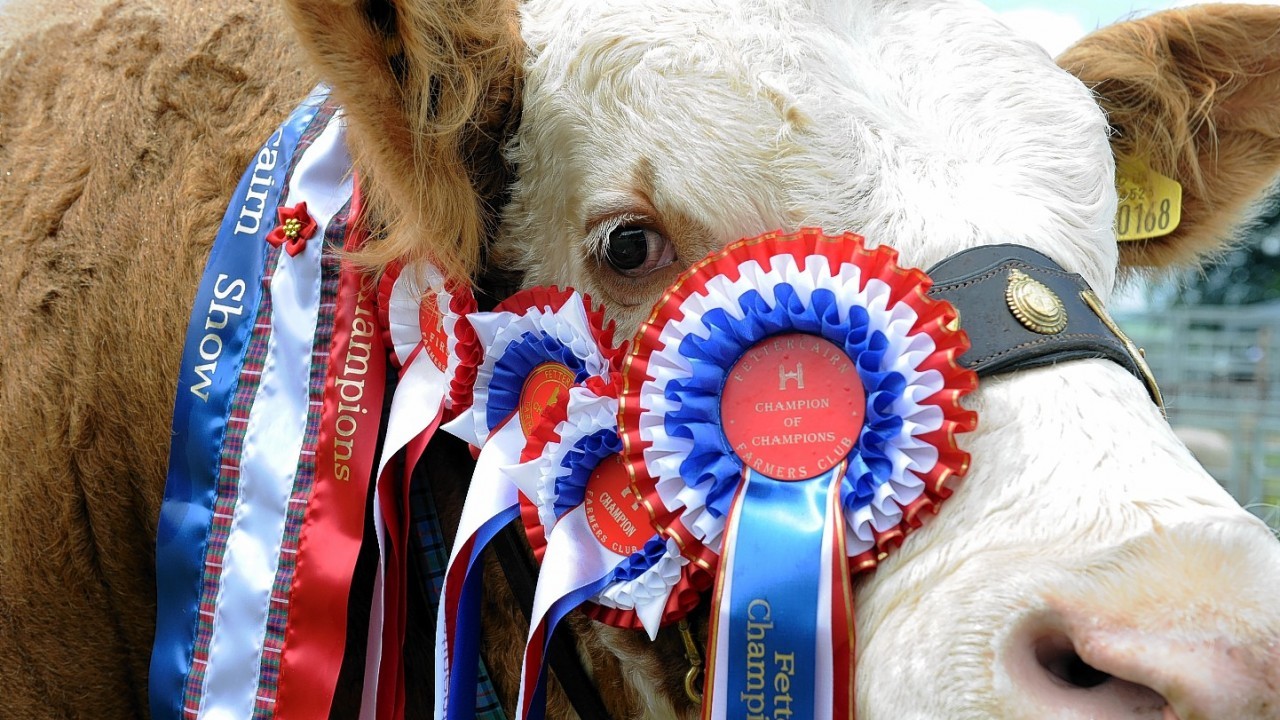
(333, 528)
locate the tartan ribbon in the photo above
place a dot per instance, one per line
(432, 552)
(250, 518)
(276, 430)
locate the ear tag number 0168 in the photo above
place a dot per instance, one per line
(1150, 203)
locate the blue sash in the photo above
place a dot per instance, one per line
(217, 336)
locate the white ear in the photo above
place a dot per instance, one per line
(1195, 94)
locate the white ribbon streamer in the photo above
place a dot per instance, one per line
(273, 440)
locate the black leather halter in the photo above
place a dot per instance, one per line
(1012, 325)
(983, 285)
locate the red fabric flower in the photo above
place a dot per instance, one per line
(294, 228)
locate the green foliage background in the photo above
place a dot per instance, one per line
(1248, 274)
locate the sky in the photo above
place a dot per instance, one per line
(1055, 24)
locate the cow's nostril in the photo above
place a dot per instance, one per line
(1057, 673)
(1058, 656)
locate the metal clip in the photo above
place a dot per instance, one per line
(1136, 353)
(695, 663)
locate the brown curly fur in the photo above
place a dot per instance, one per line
(430, 90)
(1195, 93)
(122, 133)
(119, 140)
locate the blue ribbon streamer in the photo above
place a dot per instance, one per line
(506, 385)
(629, 569)
(773, 627)
(221, 319)
(465, 664)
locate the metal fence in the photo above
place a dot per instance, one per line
(1219, 369)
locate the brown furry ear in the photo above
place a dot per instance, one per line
(430, 89)
(1196, 94)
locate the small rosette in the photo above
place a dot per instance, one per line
(572, 461)
(537, 343)
(424, 317)
(562, 452)
(788, 355)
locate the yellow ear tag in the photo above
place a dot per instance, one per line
(1150, 203)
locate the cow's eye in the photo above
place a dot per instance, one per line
(634, 251)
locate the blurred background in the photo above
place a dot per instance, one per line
(1212, 337)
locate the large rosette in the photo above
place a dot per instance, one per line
(904, 343)
(794, 400)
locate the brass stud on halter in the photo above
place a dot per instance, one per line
(695, 664)
(1035, 305)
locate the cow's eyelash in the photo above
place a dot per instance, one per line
(598, 238)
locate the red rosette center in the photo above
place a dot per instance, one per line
(793, 406)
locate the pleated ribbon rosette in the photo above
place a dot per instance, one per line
(794, 400)
(537, 345)
(429, 334)
(435, 352)
(590, 531)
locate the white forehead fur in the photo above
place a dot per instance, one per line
(922, 124)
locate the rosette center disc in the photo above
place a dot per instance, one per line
(546, 385)
(616, 516)
(435, 341)
(792, 406)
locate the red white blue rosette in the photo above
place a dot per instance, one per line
(593, 536)
(537, 345)
(573, 459)
(795, 401)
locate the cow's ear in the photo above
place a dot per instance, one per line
(430, 90)
(1195, 94)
